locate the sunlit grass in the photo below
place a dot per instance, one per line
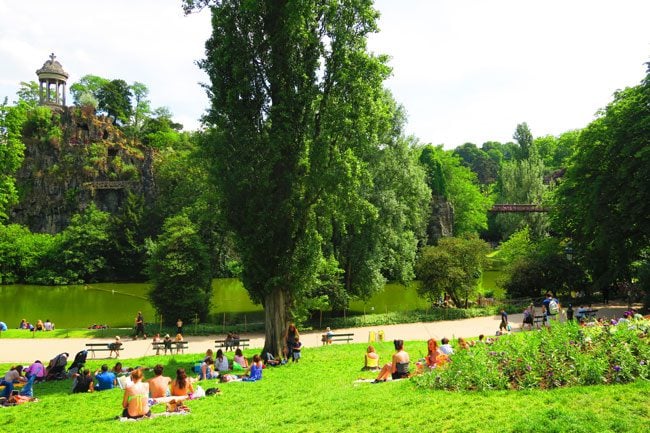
(320, 394)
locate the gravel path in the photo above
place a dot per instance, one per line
(28, 349)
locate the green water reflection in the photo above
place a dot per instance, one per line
(116, 304)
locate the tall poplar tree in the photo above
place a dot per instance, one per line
(296, 101)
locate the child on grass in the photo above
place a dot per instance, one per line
(297, 345)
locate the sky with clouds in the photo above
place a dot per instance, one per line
(465, 70)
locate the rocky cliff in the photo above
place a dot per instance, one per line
(81, 158)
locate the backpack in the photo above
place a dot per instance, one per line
(553, 308)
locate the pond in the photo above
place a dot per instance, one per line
(116, 304)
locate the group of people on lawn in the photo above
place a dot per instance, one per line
(399, 367)
(24, 324)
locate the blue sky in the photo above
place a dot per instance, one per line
(465, 70)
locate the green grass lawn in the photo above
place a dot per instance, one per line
(319, 394)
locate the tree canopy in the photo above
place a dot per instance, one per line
(297, 105)
(603, 203)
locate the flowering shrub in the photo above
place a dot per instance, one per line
(564, 355)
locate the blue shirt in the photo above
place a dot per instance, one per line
(105, 380)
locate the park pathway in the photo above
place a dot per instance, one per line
(29, 349)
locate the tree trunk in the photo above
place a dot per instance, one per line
(275, 321)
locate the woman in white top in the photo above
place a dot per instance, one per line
(221, 362)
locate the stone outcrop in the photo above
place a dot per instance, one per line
(89, 161)
(441, 223)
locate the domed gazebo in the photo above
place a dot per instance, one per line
(52, 79)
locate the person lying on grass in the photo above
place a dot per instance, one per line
(136, 397)
(399, 367)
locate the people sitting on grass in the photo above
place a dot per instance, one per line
(49, 326)
(136, 397)
(221, 362)
(159, 384)
(119, 370)
(371, 359)
(435, 357)
(182, 385)
(255, 370)
(14, 375)
(40, 326)
(398, 368)
(105, 379)
(23, 324)
(445, 347)
(207, 369)
(36, 369)
(462, 343)
(83, 382)
(240, 360)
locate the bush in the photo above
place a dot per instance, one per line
(566, 355)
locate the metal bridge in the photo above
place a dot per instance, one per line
(504, 208)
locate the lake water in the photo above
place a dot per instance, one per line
(116, 304)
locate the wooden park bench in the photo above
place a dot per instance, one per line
(230, 344)
(539, 320)
(180, 346)
(342, 337)
(104, 347)
(590, 314)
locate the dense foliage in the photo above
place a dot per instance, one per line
(179, 270)
(565, 355)
(299, 117)
(603, 203)
(453, 267)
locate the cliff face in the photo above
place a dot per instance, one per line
(441, 223)
(87, 159)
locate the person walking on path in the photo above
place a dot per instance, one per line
(139, 326)
(503, 326)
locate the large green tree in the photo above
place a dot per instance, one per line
(603, 203)
(296, 100)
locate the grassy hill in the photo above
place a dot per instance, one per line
(320, 394)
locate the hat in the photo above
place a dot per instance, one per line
(167, 336)
(117, 337)
(328, 328)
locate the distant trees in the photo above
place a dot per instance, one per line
(179, 269)
(448, 178)
(452, 267)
